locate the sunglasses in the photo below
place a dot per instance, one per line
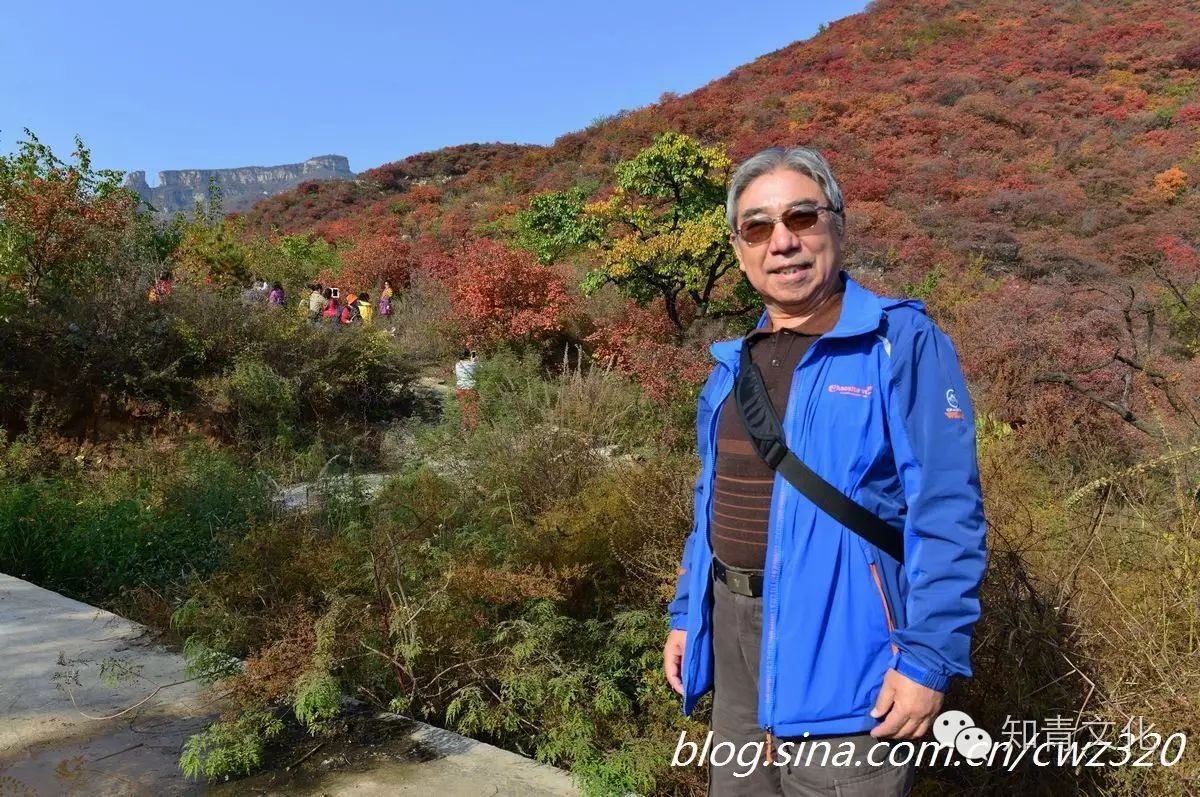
(797, 220)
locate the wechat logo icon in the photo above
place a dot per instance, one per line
(956, 729)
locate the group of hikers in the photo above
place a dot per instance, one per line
(323, 306)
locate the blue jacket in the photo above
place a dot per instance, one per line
(879, 408)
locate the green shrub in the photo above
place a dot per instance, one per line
(226, 748)
(91, 538)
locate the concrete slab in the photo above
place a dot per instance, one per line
(418, 761)
(89, 704)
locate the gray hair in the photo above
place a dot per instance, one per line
(803, 160)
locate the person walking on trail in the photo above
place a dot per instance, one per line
(365, 311)
(464, 384)
(349, 310)
(331, 313)
(385, 299)
(316, 302)
(161, 289)
(829, 587)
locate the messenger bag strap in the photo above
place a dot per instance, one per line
(766, 432)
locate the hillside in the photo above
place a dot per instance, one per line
(1049, 144)
(1029, 134)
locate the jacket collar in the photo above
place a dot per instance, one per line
(861, 314)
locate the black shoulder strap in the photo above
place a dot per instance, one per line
(754, 405)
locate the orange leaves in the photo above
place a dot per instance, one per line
(421, 194)
(66, 231)
(1169, 184)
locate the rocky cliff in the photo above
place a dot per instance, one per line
(179, 190)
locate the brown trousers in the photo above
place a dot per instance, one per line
(468, 402)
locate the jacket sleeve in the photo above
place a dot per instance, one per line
(932, 426)
(678, 608)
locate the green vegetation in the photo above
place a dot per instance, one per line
(661, 232)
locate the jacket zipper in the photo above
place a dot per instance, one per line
(887, 611)
(772, 575)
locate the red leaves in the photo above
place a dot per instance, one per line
(500, 295)
(641, 344)
(1180, 257)
(66, 229)
(375, 259)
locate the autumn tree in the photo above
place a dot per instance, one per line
(293, 260)
(376, 258)
(660, 234)
(62, 224)
(500, 295)
(212, 248)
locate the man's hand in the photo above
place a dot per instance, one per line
(908, 709)
(673, 658)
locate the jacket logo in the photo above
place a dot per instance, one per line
(953, 411)
(852, 390)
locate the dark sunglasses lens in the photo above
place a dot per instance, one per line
(755, 232)
(800, 220)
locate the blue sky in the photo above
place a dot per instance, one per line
(170, 85)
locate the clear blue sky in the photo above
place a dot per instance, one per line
(171, 85)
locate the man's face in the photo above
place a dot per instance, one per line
(794, 272)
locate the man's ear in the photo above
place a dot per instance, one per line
(736, 252)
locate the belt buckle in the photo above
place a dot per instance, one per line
(738, 582)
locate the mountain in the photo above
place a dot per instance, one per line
(179, 190)
(1037, 138)
(1031, 169)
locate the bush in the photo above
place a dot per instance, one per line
(261, 403)
(94, 537)
(523, 571)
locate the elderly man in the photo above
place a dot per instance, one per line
(809, 619)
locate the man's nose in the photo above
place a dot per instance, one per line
(783, 240)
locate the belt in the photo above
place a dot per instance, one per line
(740, 582)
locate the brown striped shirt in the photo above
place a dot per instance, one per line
(742, 493)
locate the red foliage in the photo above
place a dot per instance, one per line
(1188, 56)
(66, 228)
(641, 344)
(500, 295)
(338, 230)
(1035, 140)
(425, 194)
(434, 261)
(1189, 115)
(1180, 257)
(374, 259)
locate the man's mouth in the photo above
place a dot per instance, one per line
(793, 269)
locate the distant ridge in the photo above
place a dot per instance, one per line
(180, 189)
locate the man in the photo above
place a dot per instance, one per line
(858, 647)
(464, 388)
(316, 303)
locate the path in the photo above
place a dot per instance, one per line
(53, 648)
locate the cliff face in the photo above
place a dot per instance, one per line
(179, 190)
